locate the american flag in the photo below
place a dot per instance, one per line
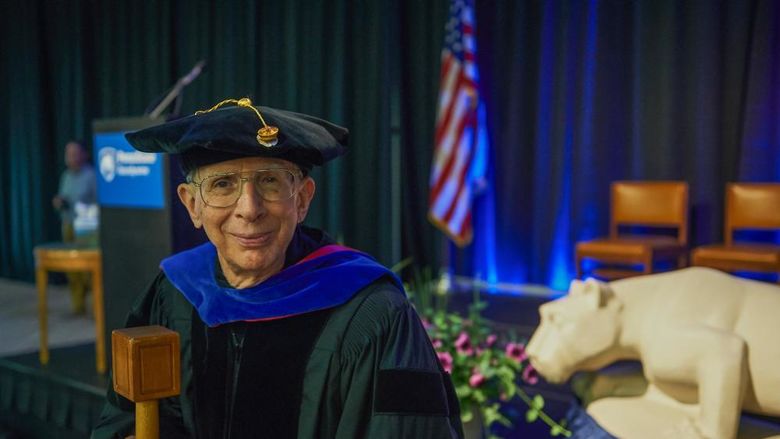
(456, 126)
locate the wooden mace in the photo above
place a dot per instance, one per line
(146, 369)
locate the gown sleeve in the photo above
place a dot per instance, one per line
(391, 382)
(117, 420)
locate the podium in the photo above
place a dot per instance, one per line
(141, 218)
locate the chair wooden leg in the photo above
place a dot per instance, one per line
(578, 266)
(648, 264)
(682, 261)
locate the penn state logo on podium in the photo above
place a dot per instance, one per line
(107, 163)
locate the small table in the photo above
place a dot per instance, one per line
(63, 257)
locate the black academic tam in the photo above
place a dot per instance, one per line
(229, 132)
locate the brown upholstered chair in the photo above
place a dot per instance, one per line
(749, 206)
(658, 204)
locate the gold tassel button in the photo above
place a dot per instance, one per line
(267, 135)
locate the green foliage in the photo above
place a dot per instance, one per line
(485, 367)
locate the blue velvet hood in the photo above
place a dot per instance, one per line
(326, 277)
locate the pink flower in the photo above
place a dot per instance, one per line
(516, 351)
(462, 340)
(530, 375)
(490, 340)
(476, 379)
(427, 324)
(437, 344)
(446, 361)
(463, 344)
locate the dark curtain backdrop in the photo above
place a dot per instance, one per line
(65, 63)
(577, 93)
(582, 93)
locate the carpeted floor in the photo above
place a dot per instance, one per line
(19, 318)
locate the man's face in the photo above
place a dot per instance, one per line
(75, 156)
(252, 235)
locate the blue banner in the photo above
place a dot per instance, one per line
(126, 177)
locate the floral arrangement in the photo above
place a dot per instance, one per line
(485, 367)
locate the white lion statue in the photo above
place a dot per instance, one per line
(709, 344)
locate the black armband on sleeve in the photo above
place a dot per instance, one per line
(410, 392)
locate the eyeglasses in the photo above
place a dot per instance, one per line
(224, 189)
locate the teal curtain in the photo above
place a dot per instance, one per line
(422, 36)
(29, 173)
(69, 62)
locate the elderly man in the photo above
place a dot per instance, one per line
(284, 334)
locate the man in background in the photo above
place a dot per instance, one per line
(77, 186)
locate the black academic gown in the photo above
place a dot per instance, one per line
(365, 369)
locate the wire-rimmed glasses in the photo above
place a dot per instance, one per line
(224, 189)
